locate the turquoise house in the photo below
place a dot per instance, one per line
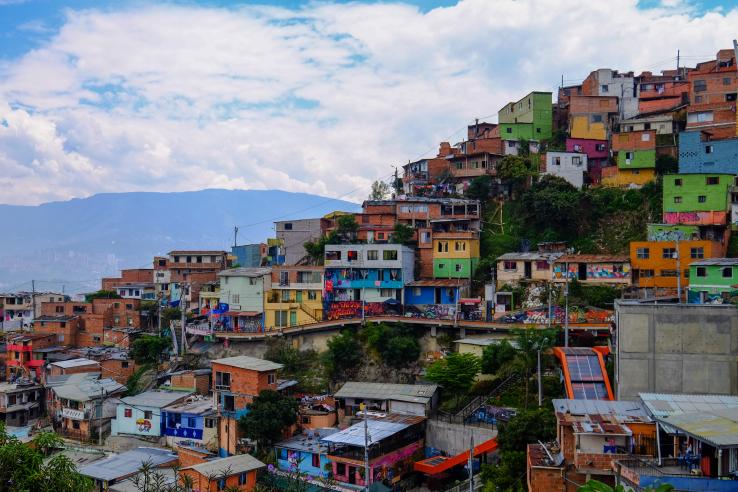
(141, 415)
(305, 453)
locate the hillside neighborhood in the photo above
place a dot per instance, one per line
(549, 304)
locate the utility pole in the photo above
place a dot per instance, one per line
(99, 418)
(367, 471)
(235, 236)
(158, 313)
(540, 382)
(678, 271)
(183, 318)
(566, 308)
(33, 299)
(678, 62)
(471, 462)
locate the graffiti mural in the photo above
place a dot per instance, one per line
(608, 271)
(144, 425)
(559, 271)
(538, 316)
(353, 309)
(699, 218)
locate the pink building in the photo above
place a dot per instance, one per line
(598, 154)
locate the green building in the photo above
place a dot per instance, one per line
(637, 159)
(696, 193)
(530, 118)
(713, 281)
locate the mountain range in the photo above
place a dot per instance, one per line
(71, 244)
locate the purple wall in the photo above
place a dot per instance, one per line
(596, 159)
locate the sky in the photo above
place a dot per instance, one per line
(317, 97)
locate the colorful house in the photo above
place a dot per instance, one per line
(192, 421)
(436, 298)
(713, 281)
(242, 291)
(697, 199)
(699, 153)
(655, 262)
(536, 266)
(597, 151)
(372, 273)
(305, 453)
(712, 96)
(295, 297)
(530, 118)
(570, 166)
(250, 255)
(142, 414)
(236, 382)
(593, 269)
(455, 254)
(591, 117)
(395, 443)
(234, 473)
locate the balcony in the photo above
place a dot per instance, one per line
(455, 234)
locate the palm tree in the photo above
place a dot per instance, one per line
(529, 341)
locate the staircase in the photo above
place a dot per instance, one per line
(462, 415)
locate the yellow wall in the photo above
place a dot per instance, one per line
(469, 248)
(307, 311)
(626, 177)
(582, 128)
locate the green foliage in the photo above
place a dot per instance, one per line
(101, 294)
(514, 168)
(528, 342)
(527, 427)
(402, 234)
(601, 296)
(380, 190)
(344, 353)
(455, 373)
(496, 356)
(479, 188)
(597, 486)
(134, 380)
(268, 415)
(147, 349)
(170, 314)
(22, 468)
(666, 164)
(316, 249)
(303, 366)
(46, 442)
(553, 203)
(509, 475)
(396, 344)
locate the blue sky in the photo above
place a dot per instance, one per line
(320, 97)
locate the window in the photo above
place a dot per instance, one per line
(372, 255)
(242, 478)
(668, 273)
(288, 226)
(341, 469)
(441, 266)
(646, 137)
(124, 364)
(701, 271)
(677, 199)
(59, 309)
(459, 165)
(726, 80)
(604, 88)
(700, 85)
(333, 255)
(577, 161)
(731, 97)
(512, 144)
(459, 246)
(316, 460)
(541, 265)
(727, 272)
(702, 199)
(557, 161)
(596, 118)
(628, 157)
(221, 484)
(75, 424)
(442, 247)
(713, 180)
(271, 378)
(389, 254)
(508, 129)
(235, 298)
(600, 147)
(642, 253)
(229, 404)
(191, 422)
(698, 99)
(459, 267)
(697, 253)
(708, 150)
(678, 182)
(312, 295)
(668, 253)
(352, 255)
(511, 265)
(210, 423)
(280, 318)
(148, 414)
(700, 117)
(645, 273)
(222, 380)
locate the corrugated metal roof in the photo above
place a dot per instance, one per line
(88, 388)
(382, 391)
(245, 272)
(79, 362)
(625, 411)
(716, 262)
(719, 428)
(661, 405)
(252, 363)
(377, 430)
(126, 464)
(232, 465)
(155, 398)
(530, 256)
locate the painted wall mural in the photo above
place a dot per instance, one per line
(607, 271)
(576, 315)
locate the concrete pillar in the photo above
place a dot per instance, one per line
(462, 332)
(434, 331)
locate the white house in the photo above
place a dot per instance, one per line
(568, 165)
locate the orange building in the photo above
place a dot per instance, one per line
(129, 277)
(26, 353)
(654, 263)
(235, 472)
(236, 382)
(713, 88)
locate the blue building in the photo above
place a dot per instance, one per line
(142, 414)
(249, 255)
(194, 420)
(305, 453)
(436, 291)
(698, 153)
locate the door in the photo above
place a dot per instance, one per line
(298, 296)
(352, 475)
(357, 294)
(293, 318)
(582, 271)
(528, 269)
(437, 299)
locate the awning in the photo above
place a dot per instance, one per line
(471, 300)
(234, 314)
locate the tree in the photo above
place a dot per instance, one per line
(455, 373)
(22, 468)
(529, 341)
(101, 294)
(496, 356)
(402, 233)
(148, 348)
(597, 486)
(396, 344)
(527, 427)
(380, 190)
(268, 415)
(513, 168)
(347, 228)
(479, 188)
(344, 353)
(46, 442)
(170, 314)
(507, 474)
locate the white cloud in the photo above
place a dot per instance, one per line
(323, 99)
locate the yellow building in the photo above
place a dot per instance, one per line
(295, 297)
(621, 178)
(455, 254)
(583, 127)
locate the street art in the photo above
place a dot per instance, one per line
(144, 425)
(699, 218)
(538, 316)
(353, 309)
(559, 270)
(608, 271)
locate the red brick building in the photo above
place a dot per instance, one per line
(26, 354)
(128, 277)
(237, 472)
(712, 96)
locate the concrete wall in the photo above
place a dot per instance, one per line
(454, 438)
(563, 164)
(676, 348)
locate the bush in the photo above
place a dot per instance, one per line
(344, 353)
(396, 344)
(148, 349)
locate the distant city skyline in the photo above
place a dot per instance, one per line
(315, 97)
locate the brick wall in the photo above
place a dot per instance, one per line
(200, 383)
(601, 461)
(120, 370)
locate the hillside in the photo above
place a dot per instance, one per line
(73, 243)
